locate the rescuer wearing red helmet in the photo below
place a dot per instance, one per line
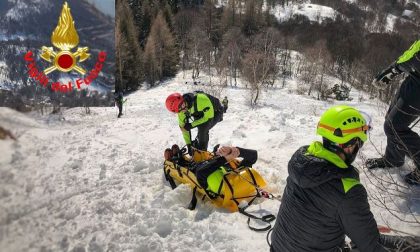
(195, 110)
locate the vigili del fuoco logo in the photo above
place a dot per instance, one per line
(65, 39)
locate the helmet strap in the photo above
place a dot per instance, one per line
(351, 157)
(339, 149)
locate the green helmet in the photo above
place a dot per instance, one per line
(340, 124)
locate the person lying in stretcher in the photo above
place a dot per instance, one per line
(210, 173)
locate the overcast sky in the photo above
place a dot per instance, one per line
(107, 6)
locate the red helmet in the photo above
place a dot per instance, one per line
(174, 101)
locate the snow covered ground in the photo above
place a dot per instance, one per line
(390, 22)
(314, 12)
(95, 182)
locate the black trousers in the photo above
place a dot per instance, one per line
(204, 170)
(203, 131)
(404, 110)
(119, 104)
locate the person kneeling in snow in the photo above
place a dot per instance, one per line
(323, 200)
(210, 175)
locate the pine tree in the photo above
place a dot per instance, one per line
(161, 56)
(253, 17)
(230, 17)
(128, 52)
(183, 22)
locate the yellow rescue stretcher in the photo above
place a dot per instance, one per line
(240, 184)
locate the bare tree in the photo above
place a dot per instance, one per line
(316, 67)
(232, 52)
(198, 49)
(260, 63)
(218, 87)
(184, 21)
(285, 61)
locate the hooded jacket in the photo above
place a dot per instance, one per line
(323, 201)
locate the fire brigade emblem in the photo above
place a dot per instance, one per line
(65, 38)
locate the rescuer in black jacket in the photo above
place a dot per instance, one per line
(323, 200)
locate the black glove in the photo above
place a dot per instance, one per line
(382, 79)
(198, 114)
(187, 126)
(190, 150)
(412, 67)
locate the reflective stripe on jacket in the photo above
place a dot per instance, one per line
(199, 111)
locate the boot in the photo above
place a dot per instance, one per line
(374, 163)
(168, 154)
(175, 151)
(413, 178)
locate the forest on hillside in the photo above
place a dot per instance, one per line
(242, 38)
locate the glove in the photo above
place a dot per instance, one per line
(190, 150)
(382, 79)
(187, 126)
(197, 114)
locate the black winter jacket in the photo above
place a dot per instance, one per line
(316, 211)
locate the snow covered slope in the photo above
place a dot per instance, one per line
(95, 182)
(314, 12)
(22, 8)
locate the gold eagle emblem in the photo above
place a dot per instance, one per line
(65, 38)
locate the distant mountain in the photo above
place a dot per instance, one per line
(106, 6)
(28, 25)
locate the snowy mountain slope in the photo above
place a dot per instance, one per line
(106, 6)
(95, 182)
(21, 8)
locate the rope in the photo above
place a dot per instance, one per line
(268, 237)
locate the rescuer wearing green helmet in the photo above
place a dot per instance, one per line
(324, 200)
